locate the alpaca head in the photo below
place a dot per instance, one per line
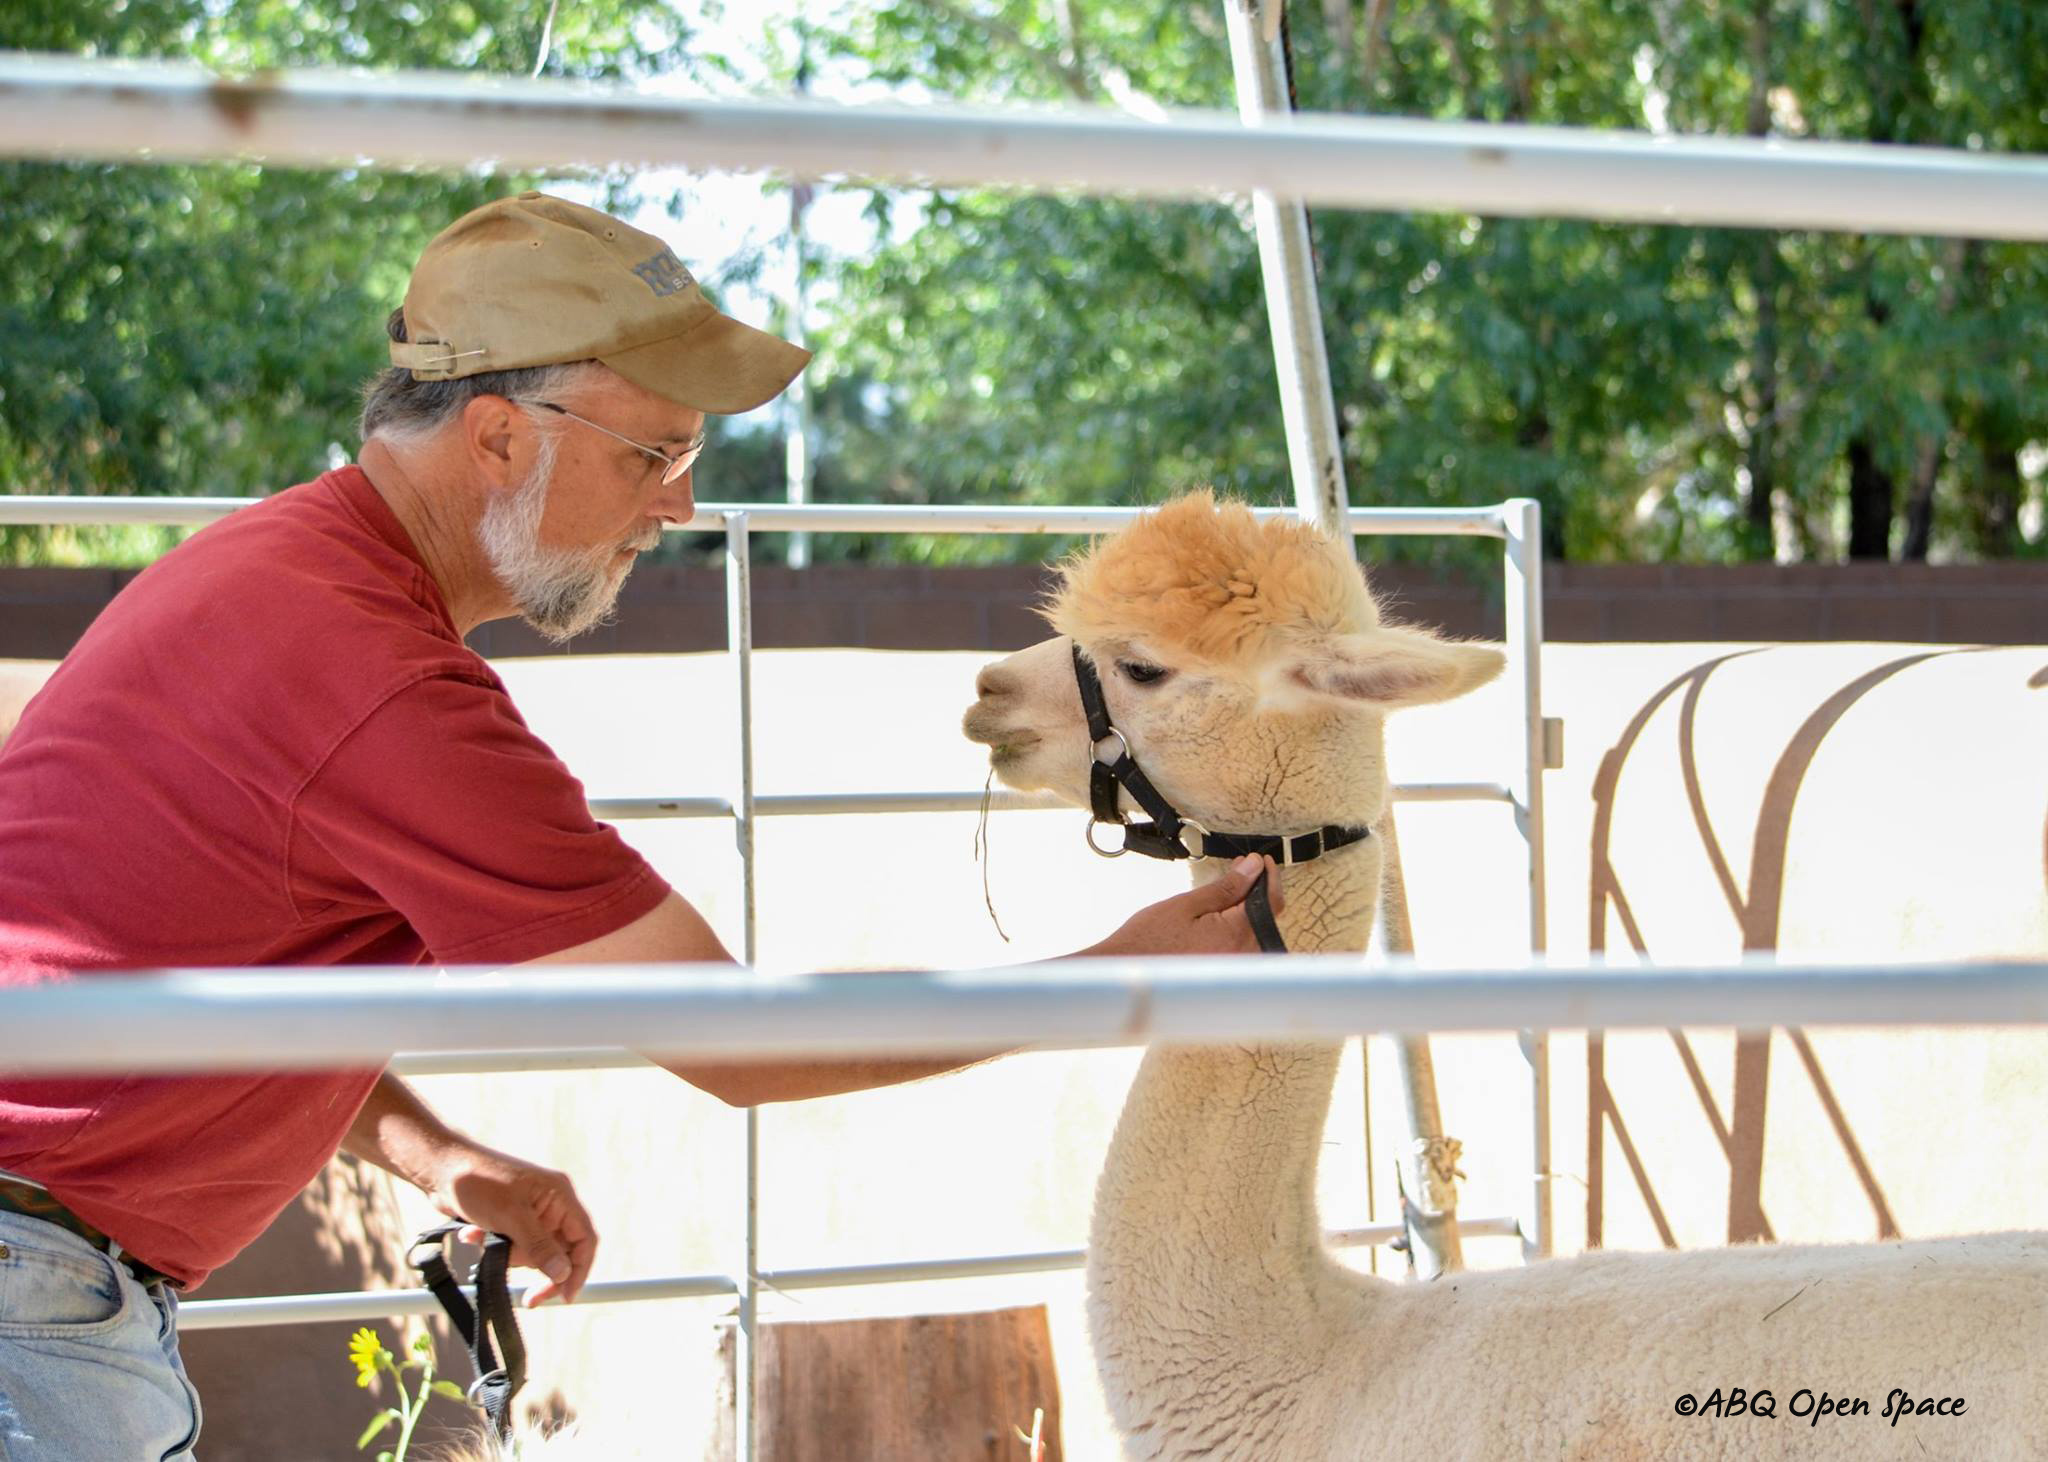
(1245, 662)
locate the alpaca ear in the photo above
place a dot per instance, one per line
(1394, 666)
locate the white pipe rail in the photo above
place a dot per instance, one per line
(491, 1063)
(891, 518)
(822, 804)
(378, 1304)
(51, 508)
(238, 1019)
(65, 107)
(382, 1304)
(838, 804)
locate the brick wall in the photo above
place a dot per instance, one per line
(668, 607)
(1991, 604)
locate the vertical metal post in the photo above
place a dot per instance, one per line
(739, 641)
(1429, 1190)
(796, 447)
(1308, 411)
(1315, 454)
(739, 638)
(797, 470)
(1372, 1208)
(1522, 570)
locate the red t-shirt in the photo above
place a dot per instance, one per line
(272, 748)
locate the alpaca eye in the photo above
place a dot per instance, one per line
(1141, 673)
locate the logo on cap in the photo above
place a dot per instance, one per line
(664, 273)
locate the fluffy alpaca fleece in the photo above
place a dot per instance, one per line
(1212, 582)
(1223, 1329)
(534, 1443)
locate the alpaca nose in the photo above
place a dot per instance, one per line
(991, 683)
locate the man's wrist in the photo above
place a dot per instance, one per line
(401, 1134)
(440, 1158)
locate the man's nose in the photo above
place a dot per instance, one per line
(677, 502)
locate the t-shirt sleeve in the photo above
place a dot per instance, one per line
(461, 819)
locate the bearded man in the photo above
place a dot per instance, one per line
(274, 748)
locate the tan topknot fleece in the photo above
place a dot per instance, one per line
(1205, 577)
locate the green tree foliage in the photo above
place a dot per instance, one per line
(204, 330)
(1665, 392)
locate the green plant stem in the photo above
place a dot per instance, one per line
(408, 1413)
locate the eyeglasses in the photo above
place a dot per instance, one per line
(674, 466)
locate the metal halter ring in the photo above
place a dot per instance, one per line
(1096, 746)
(474, 1395)
(1097, 849)
(1196, 852)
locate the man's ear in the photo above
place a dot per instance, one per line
(1394, 666)
(491, 433)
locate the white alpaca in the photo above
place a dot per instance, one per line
(528, 1444)
(535, 1441)
(1247, 666)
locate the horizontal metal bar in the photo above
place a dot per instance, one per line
(823, 804)
(271, 1020)
(1386, 1233)
(1451, 792)
(484, 1063)
(69, 510)
(849, 1276)
(1054, 1261)
(890, 518)
(630, 809)
(833, 804)
(376, 1304)
(61, 510)
(66, 107)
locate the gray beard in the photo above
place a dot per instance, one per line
(560, 592)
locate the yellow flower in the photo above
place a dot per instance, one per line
(367, 1350)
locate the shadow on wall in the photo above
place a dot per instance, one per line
(1755, 901)
(262, 1385)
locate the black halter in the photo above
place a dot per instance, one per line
(495, 1385)
(1170, 835)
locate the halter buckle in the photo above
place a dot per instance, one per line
(1198, 852)
(1097, 849)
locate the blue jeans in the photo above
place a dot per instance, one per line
(89, 1368)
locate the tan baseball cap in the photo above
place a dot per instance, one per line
(536, 280)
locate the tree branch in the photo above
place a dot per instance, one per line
(1374, 32)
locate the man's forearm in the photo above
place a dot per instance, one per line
(1191, 923)
(751, 1083)
(400, 1134)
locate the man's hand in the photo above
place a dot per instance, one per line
(1205, 920)
(536, 1207)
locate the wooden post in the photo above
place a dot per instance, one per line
(957, 1387)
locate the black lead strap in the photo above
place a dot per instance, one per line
(1258, 908)
(1167, 834)
(492, 1317)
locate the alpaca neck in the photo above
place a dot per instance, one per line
(1205, 1219)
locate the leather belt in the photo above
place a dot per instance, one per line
(31, 1201)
